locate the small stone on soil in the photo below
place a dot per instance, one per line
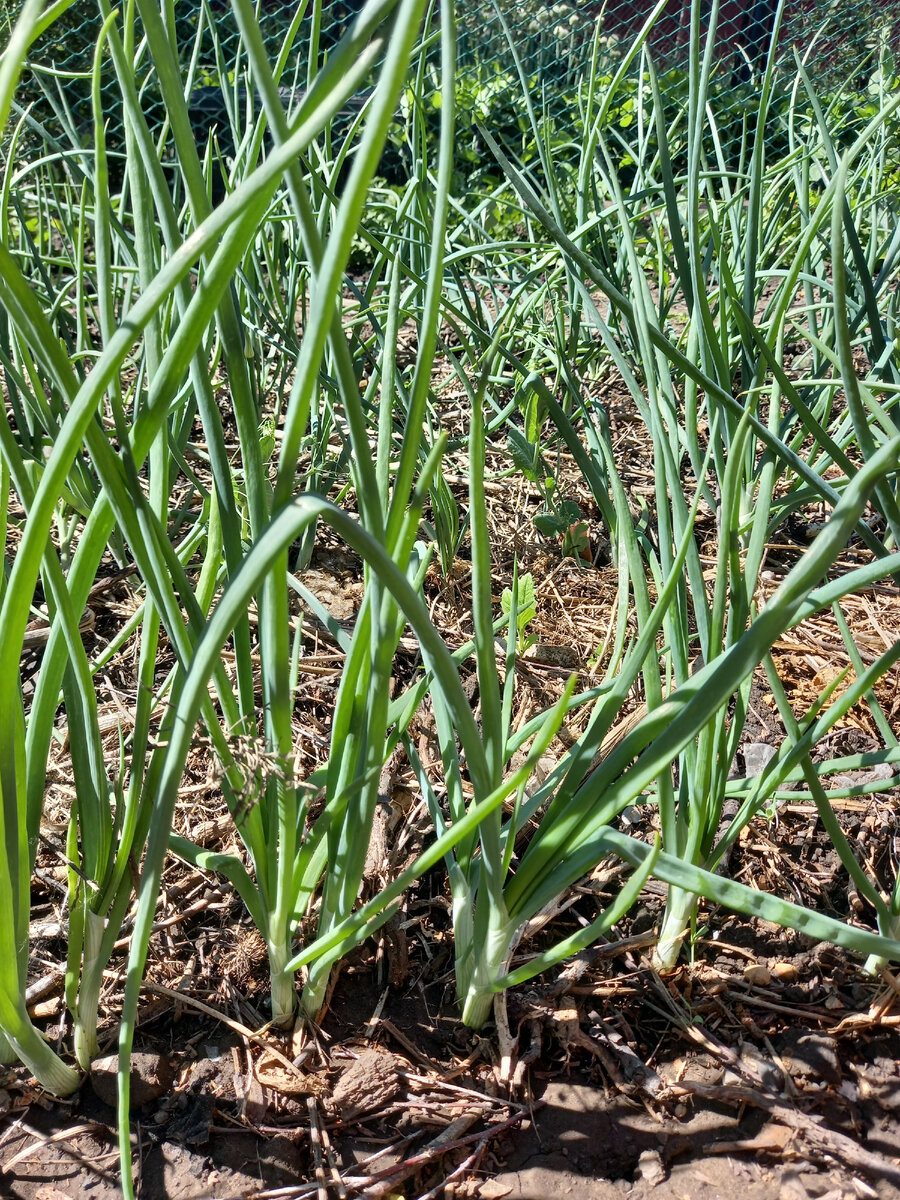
(785, 972)
(757, 756)
(650, 1170)
(757, 975)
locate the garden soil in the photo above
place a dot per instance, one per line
(623, 1083)
(765, 1067)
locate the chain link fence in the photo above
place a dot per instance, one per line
(503, 43)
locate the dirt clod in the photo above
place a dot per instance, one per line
(370, 1082)
(151, 1076)
(810, 1055)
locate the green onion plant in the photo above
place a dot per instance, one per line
(704, 278)
(195, 386)
(168, 326)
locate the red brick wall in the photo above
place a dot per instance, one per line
(741, 23)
